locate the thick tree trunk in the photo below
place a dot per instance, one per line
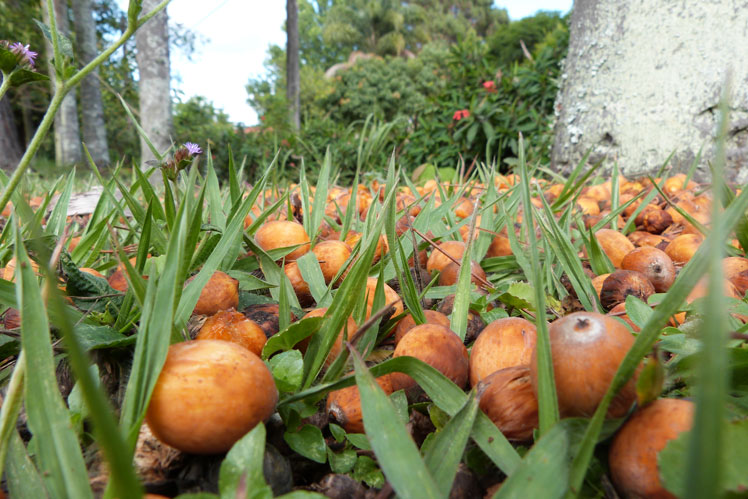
(293, 87)
(92, 109)
(643, 79)
(10, 147)
(152, 43)
(67, 129)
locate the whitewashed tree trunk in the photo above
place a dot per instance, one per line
(92, 109)
(152, 43)
(67, 128)
(643, 79)
(293, 88)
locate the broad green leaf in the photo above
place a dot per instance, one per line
(244, 462)
(308, 442)
(288, 369)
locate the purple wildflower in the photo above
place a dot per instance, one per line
(193, 148)
(25, 56)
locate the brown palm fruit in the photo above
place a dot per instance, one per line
(344, 405)
(265, 315)
(506, 342)
(349, 329)
(621, 283)
(740, 281)
(118, 279)
(451, 273)
(683, 247)
(437, 346)
(282, 234)
(331, 255)
(437, 260)
(620, 312)
(614, 244)
(588, 205)
(677, 184)
(221, 292)
(633, 453)
(732, 266)
(654, 263)
(299, 285)
(230, 325)
(587, 348)
(463, 208)
(9, 273)
(389, 297)
(353, 237)
(209, 394)
(641, 238)
(475, 324)
(499, 247)
(407, 323)
(507, 398)
(597, 282)
(12, 318)
(656, 220)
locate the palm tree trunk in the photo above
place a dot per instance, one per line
(293, 87)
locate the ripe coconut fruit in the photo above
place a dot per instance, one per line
(506, 342)
(507, 398)
(349, 328)
(683, 247)
(633, 453)
(587, 349)
(654, 263)
(407, 323)
(282, 234)
(209, 394)
(614, 244)
(221, 292)
(344, 405)
(230, 325)
(437, 346)
(622, 283)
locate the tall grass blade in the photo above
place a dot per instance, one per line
(396, 452)
(58, 452)
(547, 402)
(57, 219)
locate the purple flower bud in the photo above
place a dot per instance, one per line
(192, 148)
(25, 56)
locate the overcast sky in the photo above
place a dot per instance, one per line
(238, 33)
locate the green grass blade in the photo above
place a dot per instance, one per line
(124, 482)
(22, 477)
(396, 452)
(712, 382)
(446, 451)
(547, 402)
(140, 130)
(58, 452)
(57, 219)
(320, 195)
(458, 321)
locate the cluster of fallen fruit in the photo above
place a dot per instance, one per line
(214, 389)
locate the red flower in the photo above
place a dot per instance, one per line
(462, 113)
(489, 85)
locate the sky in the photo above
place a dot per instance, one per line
(237, 34)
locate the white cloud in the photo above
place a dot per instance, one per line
(239, 33)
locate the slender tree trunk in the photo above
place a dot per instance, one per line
(292, 62)
(10, 147)
(92, 108)
(67, 129)
(152, 43)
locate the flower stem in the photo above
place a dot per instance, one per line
(61, 89)
(11, 406)
(5, 85)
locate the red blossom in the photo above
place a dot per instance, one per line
(489, 85)
(462, 113)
